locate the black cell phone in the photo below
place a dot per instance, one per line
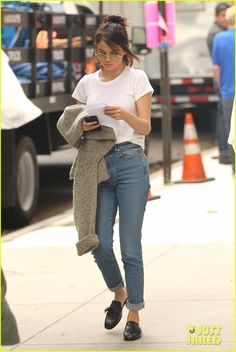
(92, 118)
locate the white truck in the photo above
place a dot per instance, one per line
(24, 136)
(191, 83)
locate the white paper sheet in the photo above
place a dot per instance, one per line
(96, 109)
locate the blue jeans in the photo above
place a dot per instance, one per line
(127, 189)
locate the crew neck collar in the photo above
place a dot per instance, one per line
(114, 79)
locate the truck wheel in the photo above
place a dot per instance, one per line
(26, 181)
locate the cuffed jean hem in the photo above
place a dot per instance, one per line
(120, 285)
(132, 306)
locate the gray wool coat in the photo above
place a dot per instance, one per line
(88, 169)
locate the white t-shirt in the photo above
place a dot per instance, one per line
(232, 127)
(122, 91)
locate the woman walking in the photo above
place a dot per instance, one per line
(126, 92)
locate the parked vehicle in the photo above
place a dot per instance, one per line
(191, 83)
(22, 142)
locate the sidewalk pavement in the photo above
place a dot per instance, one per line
(59, 298)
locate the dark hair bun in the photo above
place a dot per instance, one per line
(116, 19)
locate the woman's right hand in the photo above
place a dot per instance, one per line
(89, 126)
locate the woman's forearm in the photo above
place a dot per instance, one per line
(139, 124)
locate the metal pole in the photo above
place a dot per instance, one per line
(166, 107)
(100, 8)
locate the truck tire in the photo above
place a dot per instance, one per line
(26, 182)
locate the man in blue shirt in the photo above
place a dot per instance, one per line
(223, 58)
(220, 24)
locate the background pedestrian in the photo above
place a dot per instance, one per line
(220, 24)
(223, 57)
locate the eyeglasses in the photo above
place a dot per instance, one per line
(101, 55)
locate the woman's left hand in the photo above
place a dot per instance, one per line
(115, 112)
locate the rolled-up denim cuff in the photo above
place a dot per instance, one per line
(116, 288)
(132, 306)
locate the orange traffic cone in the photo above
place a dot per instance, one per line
(151, 197)
(193, 170)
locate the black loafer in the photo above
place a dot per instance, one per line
(132, 331)
(114, 314)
